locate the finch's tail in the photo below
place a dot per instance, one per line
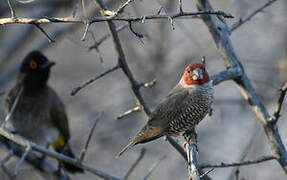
(127, 147)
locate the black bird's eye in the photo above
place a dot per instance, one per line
(33, 64)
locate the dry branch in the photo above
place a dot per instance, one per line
(241, 163)
(47, 20)
(134, 165)
(220, 33)
(251, 15)
(25, 143)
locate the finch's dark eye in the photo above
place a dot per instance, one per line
(33, 64)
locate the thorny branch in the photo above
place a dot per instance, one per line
(220, 33)
(34, 147)
(276, 114)
(134, 165)
(251, 15)
(241, 163)
(84, 150)
(47, 20)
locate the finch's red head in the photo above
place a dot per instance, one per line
(195, 74)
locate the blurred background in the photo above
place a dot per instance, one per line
(229, 134)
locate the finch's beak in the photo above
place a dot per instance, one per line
(48, 64)
(197, 74)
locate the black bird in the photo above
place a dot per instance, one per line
(39, 114)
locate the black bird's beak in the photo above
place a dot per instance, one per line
(48, 64)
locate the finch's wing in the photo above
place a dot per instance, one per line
(169, 108)
(58, 114)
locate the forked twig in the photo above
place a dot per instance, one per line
(84, 150)
(153, 167)
(134, 165)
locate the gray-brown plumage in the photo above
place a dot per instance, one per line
(40, 115)
(185, 106)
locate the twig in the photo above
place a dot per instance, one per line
(84, 150)
(13, 15)
(128, 112)
(121, 8)
(148, 84)
(248, 18)
(134, 165)
(25, 143)
(44, 32)
(99, 42)
(123, 64)
(207, 172)
(77, 89)
(33, 160)
(177, 147)
(276, 114)
(15, 102)
(86, 31)
(24, 155)
(102, 19)
(154, 166)
(241, 163)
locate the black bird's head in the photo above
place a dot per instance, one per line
(35, 70)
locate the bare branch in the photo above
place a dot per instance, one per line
(111, 18)
(153, 167)
(123, 64)
(220, 33)
(134, 165)
(13, 15)
(44, 32)
(25, 143)
(9, 114)
(121, 8)
(84, 150)
(32, 159)
(276, 114)
(248, 18)
(128, 112)
(177, 147)
(24, 155)
(77, 89)
(206, 173)
(99, 42)
(86, 31)
(241, 163)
